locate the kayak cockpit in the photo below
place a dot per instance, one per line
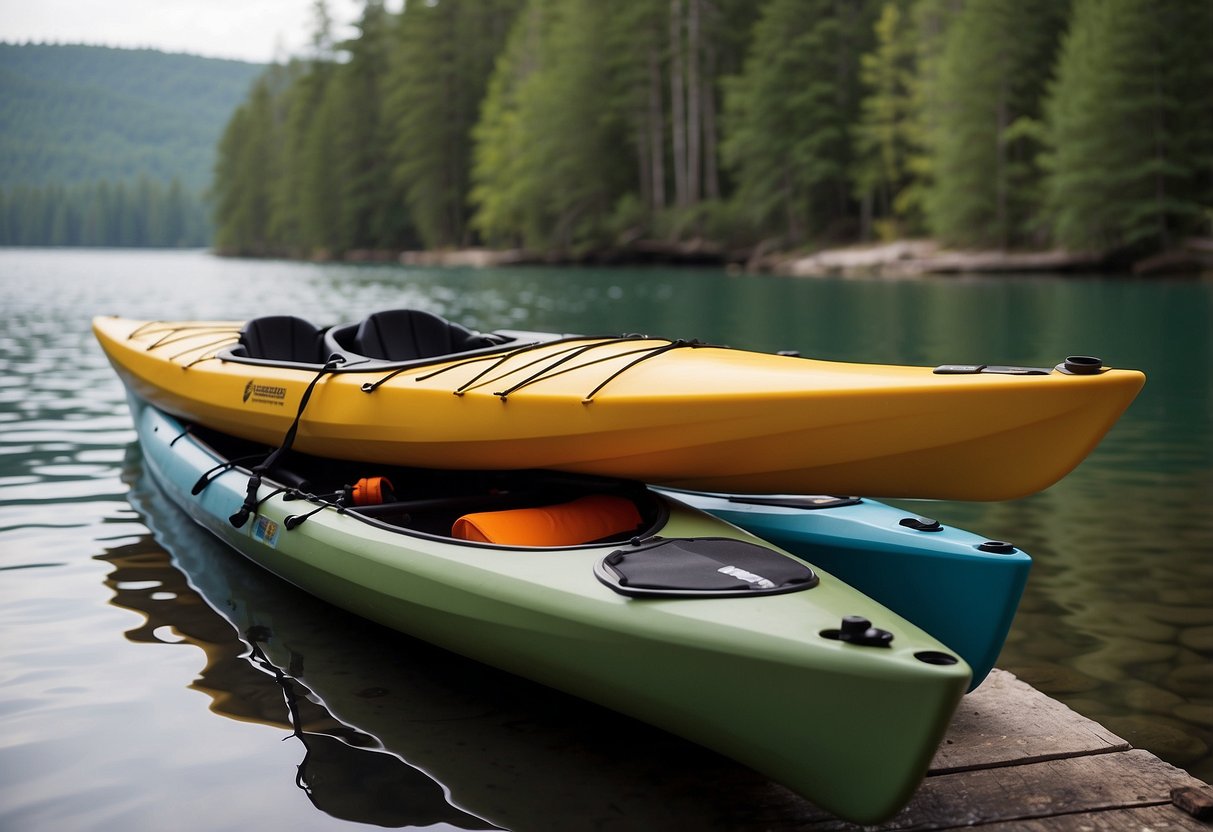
(519, 511)
(531, 509)
(388, 339)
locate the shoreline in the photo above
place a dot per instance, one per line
(897, 259)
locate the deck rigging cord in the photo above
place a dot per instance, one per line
(254, 483)
(499, 358)
(645, 354)
(221, 342)
(575, 348)
(173, 333)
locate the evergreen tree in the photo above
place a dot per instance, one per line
(245, 174)
(1130, 124)
(62, 228)
(100, 214)
(549, 161)
(884, 135)
(930, 20)
(992, 76)
(370, 218)
(638, 45)
(320, 191)
(790, 112)
(665, 62)
(303, 85)
(501, 192)
(444, 54)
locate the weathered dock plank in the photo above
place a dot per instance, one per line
(1016, 759)
(1008, 721)
(1149, 819)
(1017, 793)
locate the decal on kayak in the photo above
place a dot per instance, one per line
(264, 393)
(266, 531)
(748, 577)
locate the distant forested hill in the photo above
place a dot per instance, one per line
(76, 114)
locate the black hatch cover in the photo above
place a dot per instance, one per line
(701, 567)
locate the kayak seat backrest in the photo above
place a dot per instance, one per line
(283, 338)
(584, 520)
(410, 334)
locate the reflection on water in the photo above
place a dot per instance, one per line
(1117, 619)
(343, 771)
(396, 732)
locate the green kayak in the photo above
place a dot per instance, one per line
(666, 614)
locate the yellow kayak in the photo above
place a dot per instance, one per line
(408, 388)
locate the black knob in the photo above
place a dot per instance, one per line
(1083, 365)
(998, 547)
(921, 524)
(855, 629)
(853, 625)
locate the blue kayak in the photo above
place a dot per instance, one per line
(959, 587)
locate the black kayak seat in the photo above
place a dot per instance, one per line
(410, 334)
(283, 338)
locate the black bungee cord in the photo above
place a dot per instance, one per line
(254, 483)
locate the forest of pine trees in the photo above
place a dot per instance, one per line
(574, 127)
(144, 213)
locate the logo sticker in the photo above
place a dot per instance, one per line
(264, 393)
(265, 530)
(748, 577)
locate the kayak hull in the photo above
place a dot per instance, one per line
(702, 418)
(851, 727)
(961, 588)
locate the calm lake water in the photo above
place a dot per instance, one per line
(151, 679)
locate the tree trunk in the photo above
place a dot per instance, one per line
(1160, 154)
(677, 105)
(1000, 174)
(656, 133)
(694, 125)
(644, 178)
(711, 175)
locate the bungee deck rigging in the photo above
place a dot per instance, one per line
(551, 370)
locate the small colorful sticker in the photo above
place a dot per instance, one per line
(265, 530)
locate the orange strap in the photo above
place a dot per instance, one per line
(372, 491)
(581, 521)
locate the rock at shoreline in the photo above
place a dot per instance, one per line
(478, 258)
(911, 258)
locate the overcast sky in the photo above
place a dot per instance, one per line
(250, 30)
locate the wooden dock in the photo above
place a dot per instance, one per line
(1014, 759)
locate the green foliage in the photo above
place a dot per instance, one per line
(992, 75)
(245, 174)
(789, 115)
(366, 146)
(548, 167)
(80, 114)
(444, 54)
(370, 217)
(144, 213)
(574, 126)
(929, 24)
(110, 147)
(884, 135)
(1130, 124)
